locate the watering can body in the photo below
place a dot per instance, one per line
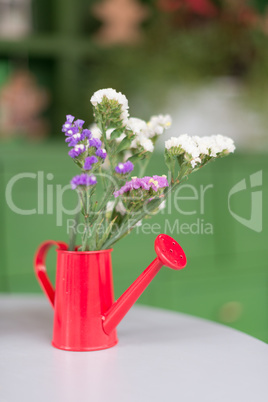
(85, 313)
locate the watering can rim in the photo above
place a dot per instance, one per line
(76, 252)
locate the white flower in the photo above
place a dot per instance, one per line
(147, 144)
(139, 223)
(196, 146)
(127, 155)
(119, 207)
(214, 144)
(195, 161)
(118, 139)
(110, 206)
(111, 94)
(95, 131)
(185, 143)
(162, 205)
(137, 125)
(144, 142)
(109, 132)
(158, 124)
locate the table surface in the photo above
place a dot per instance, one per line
(160, 356)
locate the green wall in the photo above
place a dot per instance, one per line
(226, 278)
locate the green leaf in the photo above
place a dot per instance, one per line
(134, 158)
(125, 143)
(116, 133)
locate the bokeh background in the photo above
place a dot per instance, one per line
(205, 62)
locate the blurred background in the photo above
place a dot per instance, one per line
(204, 62)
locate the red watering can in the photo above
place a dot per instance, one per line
(86, 315)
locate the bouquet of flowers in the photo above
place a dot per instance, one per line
(112, 202)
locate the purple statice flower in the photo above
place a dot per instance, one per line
(71, 131)
(101, 153)
(95, 142)
(83, 180)
(89, 162)
(79, 123)
(77, 150)
(87, 133)
(124, 168)
(73, 140)
(68, 123)
(145, 183)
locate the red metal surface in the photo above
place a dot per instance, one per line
(169, 253)
(86, 315)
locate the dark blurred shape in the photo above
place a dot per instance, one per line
(201, 7)
(21, 103)
(15, 18)
(121, 21)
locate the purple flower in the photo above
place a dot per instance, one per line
(79, 123)
(87, 133)
(69, 118)
(89, 162)
(71, 131)
(95, 142)
(124, 168)
(83, 180)
(101, 153)
(75, 139)
(146, 183)
(68, 123)
(77, 150)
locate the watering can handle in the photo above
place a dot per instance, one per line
(40, 267)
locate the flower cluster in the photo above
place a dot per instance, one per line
(198, 147)
(147, 133)
(81, 140)
(83, 180)
(124, 168)
(146, 183)
(128, 140)
(112, 95)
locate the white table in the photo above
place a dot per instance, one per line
(161, 356)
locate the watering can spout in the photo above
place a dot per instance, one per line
(169, 253)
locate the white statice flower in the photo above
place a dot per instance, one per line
(140, 129)
(214, 144)
(158, 124)
(184, 143)
(222, 143)
(162, 205)
(109, 132)
(119, 207)
(127, 155)
(197, 146)
(144, 142)
(137, 125)
(203, 143)
(112, 94)
(110, 206)
(95, 131)
(195, 161)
